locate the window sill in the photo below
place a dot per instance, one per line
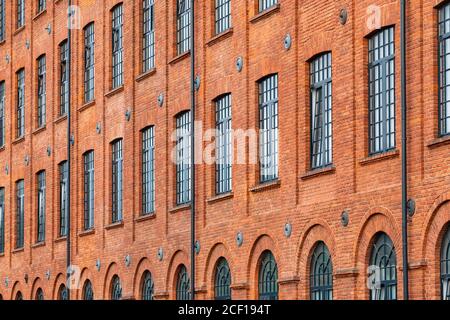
(142, 218)
(87, 105)
(116, 225)
(219, 37)
(18, 250)
(380, 157)
(38, 245)
(220, 198)
(145, 75)
(60, 119)
(266, 13)
(18, 140)
(19, 30)
(86, 233)
(266, 186)
(114, 91)
(179, 208)
(180, 57)
(329, 170)
(442, 141)
(39, 14)
(61, 239)
(39, 130)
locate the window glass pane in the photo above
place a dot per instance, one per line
(266, 4)
(89, 190)
(224, 145)
(445, 266)
(148, 55)
(148, 171)
(117, 46)
(268, 277)
(223, 15)
(444, 70)
(183, 290)
(20, 207)
(222, 283)
(20, 103)
(41, 101)
(63, 178)
(41, 184)
(183, 158)
(183, 25)
(2, 113)
(89, 62)
(321, 273)
(117, 181)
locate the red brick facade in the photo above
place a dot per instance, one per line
(369, 188)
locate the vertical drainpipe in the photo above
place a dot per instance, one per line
(69, 140)
(404, 153)
(192, 47)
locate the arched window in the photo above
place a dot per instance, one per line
(445, 266)
(147, 286)
(383, 269)
(268, 277)
(88, 292)
(223, 280)
(116, 288)
(39, 294)
(321, 273)
(183, 284)
(19, 296)
(62, 293)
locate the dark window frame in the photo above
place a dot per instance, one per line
(264, 5)
(148, 171)
(147, 287)
(41, 90)
(20, 214)
(88, 190)
(2, 113)
(88, 291)
(222, 280)
(117, 78)
(20, 13)
(183, 287)
(183, 158)
(41, 206)
(2, 220)
(321, 273)
(148, 35)
(2, 20)
(63, 169)
(268, 287)
(41, 5)
(89, 62)
(222, 16)
(20, 110)
(224, 144)
(183, 26)
(445, 265)
(117, 180)
(63, 78)
(116, 288)
(444, 83)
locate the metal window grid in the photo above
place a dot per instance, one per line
(223, 15)
(40, 295)
(88, 292)
(42, 88)
(224, 145)
(148, 35)
(266, 4)
(183, 284)
(117, 47)
(2, 220)
(41, 5)
(183, 158)
(147, 286)
(148, 171)
(268, 277)
(444, 70)
(117, 181)
(63, 176)
(184, 20)
(41, 184)
(116, 288)
(89, 62)
(222, 284)
(445, 266)
(20, 13)
(20, 103)
(89, 184)
(63, 81)
(20, 207)
(321, 273)
(2, 20)
(2, 113)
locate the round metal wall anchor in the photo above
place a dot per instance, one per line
(287, 41)
(47, 275)
(6, 282)
(345, 218)
(49, 151)
(7, 58)
(343, 16)
(98, 264)
(161, 99)
(6, 169)
(27, 44)
(128, 260)
(197, 83)
(197, 247)
(411, 206)
(239, 64)
(288, 230)
(160, 254)
(239, 239)
(98, 128)
(128, 115)
(72, 140)
(27, 160)
(49, 28)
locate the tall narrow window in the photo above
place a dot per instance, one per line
(63, 81)
(445, 266)
(184, 17)
(321, 273)
(117, 46)
(41, 5)
(39, 295)
(41, 91)
(222, 285)
(62, 293)
(116, 288)
(268, 128)
(444, 70)
(20, 214)
(2, 220)
(223, 15)
(382, 91)
(88, 292)
(63, 179)
(183, 284)
(148, 34)
(88, 190)
(268, 277)
(183, 158)
(117, 181)
(2, 20)
(147, 286)
(148, 171)
(41, 186)
(266, 4)
(383, 263)
(2, 113)
(89, 62)
(20, 13)
(224, 145)
(20, 103)
(321, 114)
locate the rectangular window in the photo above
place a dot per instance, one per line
(117, 47)
(63, 179)
(183, 26)
(321, 112)
(89, 62)
(444, 70)
(148, 171)
(20, 103)
(382, 91)
(41, 92)
(223, 15)
(2, 20)
(224, 145)
(268, 128)
(2, 220)
(266, 4)
(2, 113)
(20, 13)
(41, 207)
(41, 5)
(183, 158)
(148, 54)
(117, 181)
(20, 214)
(89, 190)
(63, 81)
